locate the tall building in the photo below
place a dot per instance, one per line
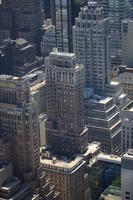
(63, 15)
(65, 131)
(68, 176)
(48, 39)
(20, 139)
(103, 123)
(21, 19)
(127, 127)
(127, 42)
(47, 8)
(116, 11)
(127, 175)
(18, 57)
(19, 121)
(91, 44)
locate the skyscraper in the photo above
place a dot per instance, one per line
(21, 19)
(63, 15)
(91, 44)
(65, 131)
(103, 123)
(18, 57)
(19, 121)
(116, 11)
(47, 9)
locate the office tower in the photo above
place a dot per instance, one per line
(65, 131)
(48, 39)
(63, 25)
(127, 175)
(91, 44)
(47, 8)
(125, 76)
(103, 123)
(19, 121)
(21, 19)
(116, 10)
(127, 42)
(127, 127)
(68, 177)
(18, 57)
(63, 14)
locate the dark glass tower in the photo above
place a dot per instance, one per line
(47, 10)
(63, 14)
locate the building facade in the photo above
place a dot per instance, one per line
(103, 123)
(65, 131)
(48, 38)
(68, 177)
(19, 121)
(18, 57)
(21, 19)
(125, 76)
(126, 175)
(127, 127)
(91, 44)
(116, 11)
(127, 43)
(63, 14)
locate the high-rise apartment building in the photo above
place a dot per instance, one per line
(65, 131)
(21, 19)
(127, 127)
(19, 121)
(103, 123)
(127, 175)
(91, 44)
(116, 11)
(127, 42)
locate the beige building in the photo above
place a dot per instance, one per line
(19, 120)
(65, 130)
(68, 176)
(19, 125)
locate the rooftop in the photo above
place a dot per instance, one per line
(57, 53)
(129, 107)
(109, 158)
(128, 154)
(92, 148)
(37, 86)
(64, 165)
(100, 99)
